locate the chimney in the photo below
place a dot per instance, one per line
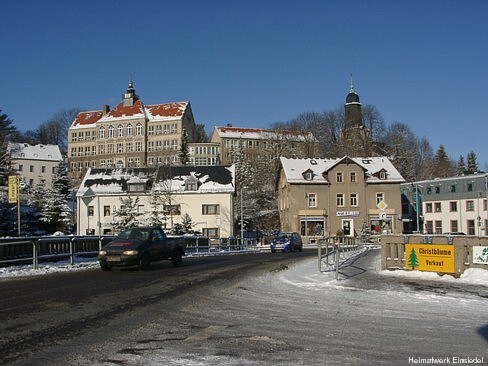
(105, 109)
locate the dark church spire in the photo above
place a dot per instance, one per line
(130, 95)
(352, 109)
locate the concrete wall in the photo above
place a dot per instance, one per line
(393, 249)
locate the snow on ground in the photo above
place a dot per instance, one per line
(475, 276)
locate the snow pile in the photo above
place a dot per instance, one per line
(475, 276)
(46, 268)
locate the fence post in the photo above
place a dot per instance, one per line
(337, 254)
(71, 252)
(35, 254)
(319, 248)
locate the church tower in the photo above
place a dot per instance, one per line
(352, 109)
(354, 137)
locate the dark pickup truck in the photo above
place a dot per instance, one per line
(139, 246)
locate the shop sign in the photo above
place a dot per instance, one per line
(480, 255)
(429, 257)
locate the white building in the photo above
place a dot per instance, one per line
(35, 164)
(204, 193)
(455, 204)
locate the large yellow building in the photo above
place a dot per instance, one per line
(130, 135)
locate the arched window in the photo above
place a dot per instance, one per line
(139, 129)
(120, 131)
(111, 132)
(101, 133)
(129, 130)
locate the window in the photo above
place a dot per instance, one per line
(138, 129)
(101, 133)
(470, 205)
(139, 146)
(120, 131)
(429, 227)
(428, 207)
(469, 187)
(211, 232)
(437, 206)
(191, 184)
(354, 199)
(438, 227)
(312, 200)
(129, 130)
(340, 199)
(339, 177)
(110, 132)
(106, 210)
(452, 188)
(31, 168)
(352, 177)
(90, 211)
(135, 187)
(380, 196)
(172, 209)
(437, 189)
(150, 130)
(120, 147)
(471, 227)
(453, 207)
(454, 226)
(43, 169)
(210, 209)
(382, 174)
(21, 167)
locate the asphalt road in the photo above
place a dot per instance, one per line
(250, 309)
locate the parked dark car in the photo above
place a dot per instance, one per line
(286, 241)
(140, 246)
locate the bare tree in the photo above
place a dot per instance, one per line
(55, 130)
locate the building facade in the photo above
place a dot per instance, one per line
(166, 194)
(130, 135)
(346, 196)
(256, 144)
(447, 205)
(36, 164)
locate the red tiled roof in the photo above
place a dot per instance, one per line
(87, 118)
(175, 109)
(123, 111)
(167, 109)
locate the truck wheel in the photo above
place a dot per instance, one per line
(104, 266)
(177, 258)
(145, 262)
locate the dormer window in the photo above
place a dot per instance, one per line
(382, 174)
(191, 184)
(308, 175)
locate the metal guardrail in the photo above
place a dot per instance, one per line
(334, 250)
(37, 249)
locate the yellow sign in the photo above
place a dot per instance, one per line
(13, 189)
(429, 257)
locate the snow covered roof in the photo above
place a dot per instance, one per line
(152, 113)
(294, 169)
(116, 181)
(25, 151)
(262, 134)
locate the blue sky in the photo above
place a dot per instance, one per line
(255, 62)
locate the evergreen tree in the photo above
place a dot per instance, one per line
(200, 134)
(472, 162)
(56, 212)
(157, 216)
(7, 130)
(128, 215)
(184, 154)
(186, 223)
(461, 166)
(442, 165)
